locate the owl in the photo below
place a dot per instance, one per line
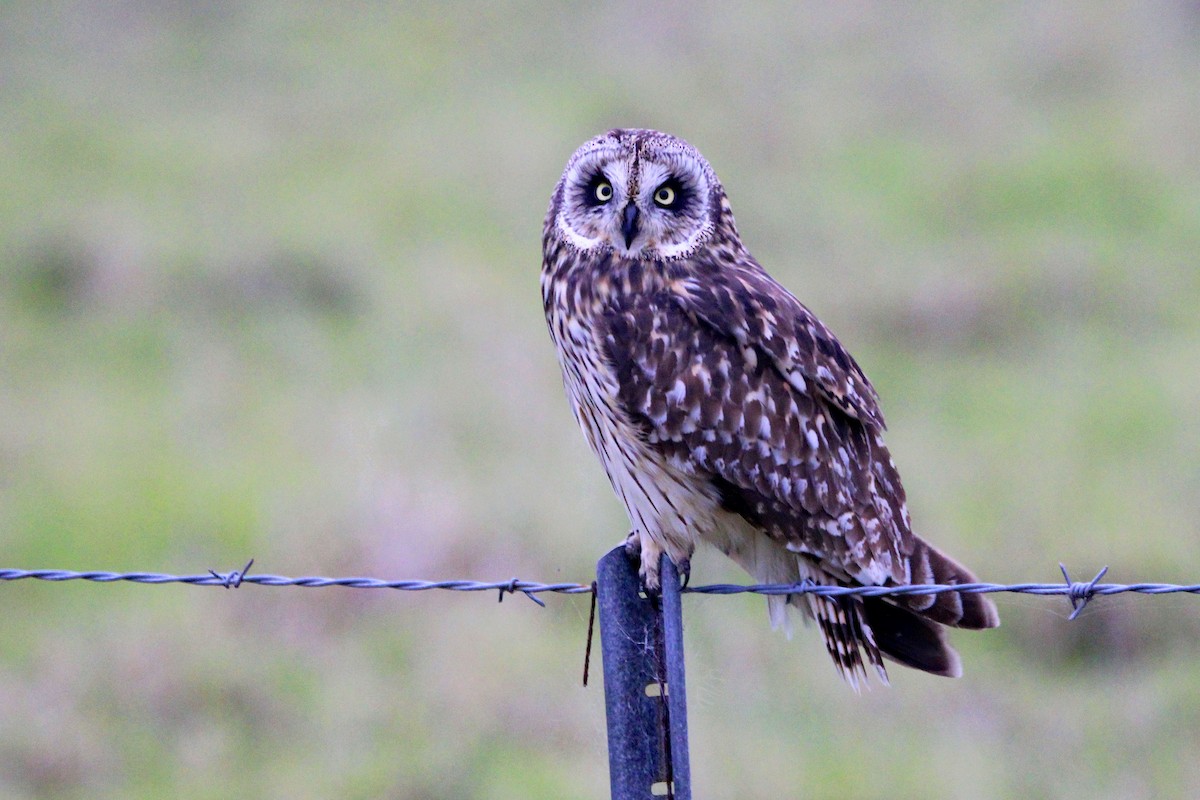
(725, 412)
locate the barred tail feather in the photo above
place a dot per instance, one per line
(849, 639)
(861, 631)
(974, 611)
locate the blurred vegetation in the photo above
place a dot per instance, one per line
(268, 287)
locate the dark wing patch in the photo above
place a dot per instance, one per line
(795, 463)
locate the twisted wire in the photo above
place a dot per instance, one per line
(1079, 593)
(238, 577)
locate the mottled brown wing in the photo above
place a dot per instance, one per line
(737, 298)
(806, 467)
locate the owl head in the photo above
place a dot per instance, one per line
(639, 193)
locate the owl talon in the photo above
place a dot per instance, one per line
(684, 568)
(633, 546)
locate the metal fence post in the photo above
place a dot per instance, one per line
(644, 688)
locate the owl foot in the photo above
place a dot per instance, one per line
(649, 555)
(633, 545)
(646, 553)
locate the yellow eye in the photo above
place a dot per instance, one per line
(665, 196)
(604, 191)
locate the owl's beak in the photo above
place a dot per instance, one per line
(629, 225)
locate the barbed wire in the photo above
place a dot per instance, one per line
(234, 579)
(1079, 593)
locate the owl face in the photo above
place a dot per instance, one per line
(640, 193)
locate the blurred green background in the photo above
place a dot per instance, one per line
(268, 287)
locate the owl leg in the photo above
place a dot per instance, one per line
(649, 552)
(641, 549)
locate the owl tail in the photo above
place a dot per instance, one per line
(862, 631)
(849, 638)
(909, 639)
(908, 629)
(959, 610)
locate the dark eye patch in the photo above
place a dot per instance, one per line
(672, 195)
(597, 190)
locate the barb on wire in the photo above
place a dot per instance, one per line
(512, 588)
(1078, 593)
(234, 579)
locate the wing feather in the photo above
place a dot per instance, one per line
(740, 300)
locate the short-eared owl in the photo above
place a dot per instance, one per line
(724, 411)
